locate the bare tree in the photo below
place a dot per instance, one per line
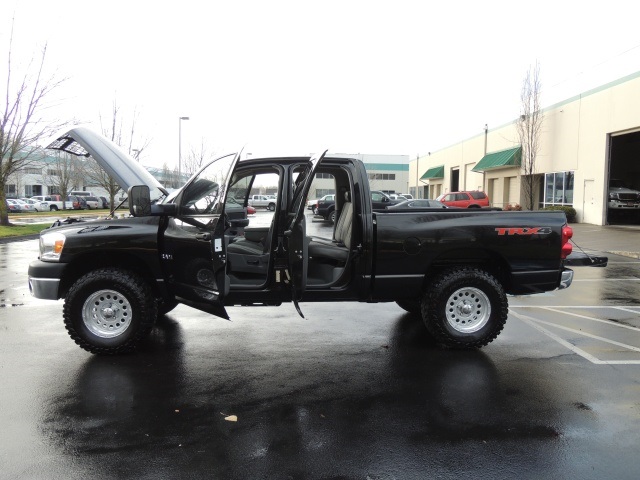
(64, 174)
(197, 157)
(123, 134)
(529, 127)
(21, 126)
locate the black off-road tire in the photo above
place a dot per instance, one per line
(411, 306)
(332, 217)
(465, 308)
(109, 311)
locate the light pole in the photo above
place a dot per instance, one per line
(180, 148)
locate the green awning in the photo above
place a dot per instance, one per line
(435, 172)
(502, 159)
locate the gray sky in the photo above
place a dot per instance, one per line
(401, 77)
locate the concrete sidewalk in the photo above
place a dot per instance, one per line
(616, 239)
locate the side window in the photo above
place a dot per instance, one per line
(203, 195)
(376, 197)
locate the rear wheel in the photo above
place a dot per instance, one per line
(53, 208)
(109, 311)
(465, 308)
(271, 207)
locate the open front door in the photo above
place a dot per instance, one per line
(296, 233)
(194, 249)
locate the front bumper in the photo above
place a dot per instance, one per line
(44, 279)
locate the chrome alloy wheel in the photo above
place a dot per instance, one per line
(468, 310)
(107, 313)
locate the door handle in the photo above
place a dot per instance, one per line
(203, 236)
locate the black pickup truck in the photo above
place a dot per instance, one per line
(196, 247)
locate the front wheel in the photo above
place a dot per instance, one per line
(465, 308)
(109, 311)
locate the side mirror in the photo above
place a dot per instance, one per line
(139, 201)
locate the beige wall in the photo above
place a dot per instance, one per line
(574, 138)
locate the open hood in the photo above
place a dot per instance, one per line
(124, 169)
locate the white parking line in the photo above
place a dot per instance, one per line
(608, 322)
(535, 323)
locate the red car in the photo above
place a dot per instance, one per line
(250, 210)
(471, 199)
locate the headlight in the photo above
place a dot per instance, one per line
(51, 245)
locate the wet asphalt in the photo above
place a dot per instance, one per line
(353, 391)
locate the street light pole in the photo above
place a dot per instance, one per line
(180, 148)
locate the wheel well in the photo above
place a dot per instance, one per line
(94, 260)
(485, 260)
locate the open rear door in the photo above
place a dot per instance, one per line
(296, 233)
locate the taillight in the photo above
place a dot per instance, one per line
(567, 248)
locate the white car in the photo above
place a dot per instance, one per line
(36, 206)
(93, 203)
(24, 206)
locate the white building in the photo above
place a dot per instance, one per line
(586, 141)
(388, 173)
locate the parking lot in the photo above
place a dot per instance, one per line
(351, 391)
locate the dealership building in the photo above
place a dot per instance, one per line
(587, 142)
(387, 173)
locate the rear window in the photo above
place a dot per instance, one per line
(478, 195)
(91, 199)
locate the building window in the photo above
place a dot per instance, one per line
(51, 172)
(10, 190)
(382, 176)
(32, 171)
(321, 192)
(557, 189)
(32, 190)
(324, 175)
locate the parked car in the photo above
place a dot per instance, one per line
(422, 203)
(621, 196)
(250, 210)
(105, 202)
(466, 199)
(324, 206)
(36, 205)
(263, 201)
(398, 197)
(380, 200)
(76, 202)
(54, 202)
(13, 206)
(93, 203)
(24, 206)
